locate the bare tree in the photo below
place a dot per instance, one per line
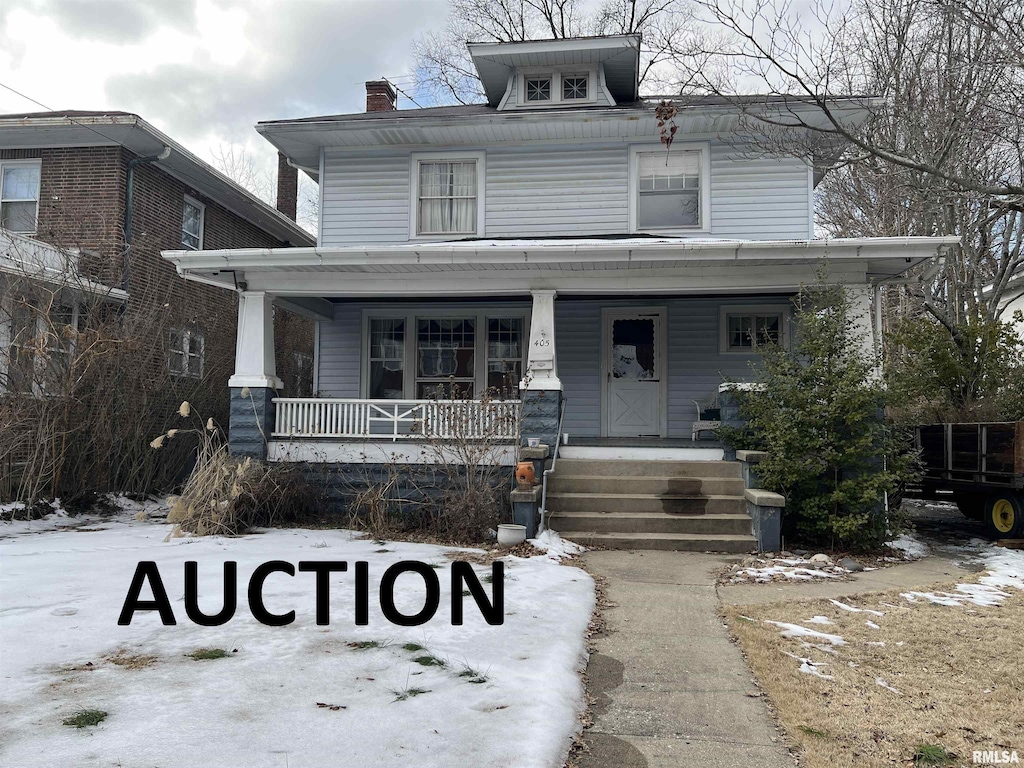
(444, 68)
(939, 148)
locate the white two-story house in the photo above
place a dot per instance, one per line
(545, 244)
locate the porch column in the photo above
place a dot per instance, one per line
(862, 313)
(541, 389)
(255, 379)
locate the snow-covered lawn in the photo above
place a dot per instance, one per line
(480, 695)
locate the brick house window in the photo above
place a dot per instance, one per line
(192, 224)
(185, 348)
(19, 195)
(40, 345)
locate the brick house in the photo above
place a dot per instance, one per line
(107, 191)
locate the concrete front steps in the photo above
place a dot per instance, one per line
(644, 504)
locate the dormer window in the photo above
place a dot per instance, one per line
(538, 89)
(574, 87)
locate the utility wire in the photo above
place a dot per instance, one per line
(410, 98)
(66, 117)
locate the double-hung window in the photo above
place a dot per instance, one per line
(19, 195)
(448, 195)
(193, 213)
(40, 344)
(433, 356)
(669, 188)
(185, 352)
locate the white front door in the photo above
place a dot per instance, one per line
(634, 372)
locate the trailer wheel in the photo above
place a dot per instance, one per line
(971, 505)
(1004, 516)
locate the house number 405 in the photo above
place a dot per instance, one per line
(542, 343)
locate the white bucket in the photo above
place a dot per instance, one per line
(509, 535)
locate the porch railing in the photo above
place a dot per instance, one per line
(316, 417)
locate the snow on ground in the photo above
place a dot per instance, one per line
(911, 545)
(764, 570)
(1005, 571)
(506, 695)
(853, 608)
(555, 547)
(795, 630)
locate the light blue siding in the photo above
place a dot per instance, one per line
(695, 365)
(546, 190)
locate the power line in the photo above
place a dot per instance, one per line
(66, 117)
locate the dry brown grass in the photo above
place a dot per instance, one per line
(948, 659)
(132, 661)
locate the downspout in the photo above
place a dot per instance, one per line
(129, 195)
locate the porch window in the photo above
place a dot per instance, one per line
(185, 352)
(445, 357)
(19, 195)
(387, 358)
(744, 330)
(21, 351)
(447, 202)
(504, 355)
(433, 356)
(192, 224)
(669, 190)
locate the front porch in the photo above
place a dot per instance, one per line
(612, 338)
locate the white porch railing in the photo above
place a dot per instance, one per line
(315, 417)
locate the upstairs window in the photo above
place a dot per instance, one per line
(192, 224)
(669, 190)
(574, 87)
(448, 194)
(538, 88)
(19, 195)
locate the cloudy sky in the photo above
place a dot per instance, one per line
(205, 71)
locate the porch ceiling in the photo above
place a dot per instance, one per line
(505, 267)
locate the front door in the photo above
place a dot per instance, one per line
(634, 373)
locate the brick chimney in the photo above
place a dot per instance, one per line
(380, 96)
(287, 187)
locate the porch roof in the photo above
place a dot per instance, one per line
(568, 265)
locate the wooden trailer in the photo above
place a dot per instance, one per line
(982, 465)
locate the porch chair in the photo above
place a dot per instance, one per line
(707, 417)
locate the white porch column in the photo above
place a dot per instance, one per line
(254, 346)
(541, 368)
(862, 313)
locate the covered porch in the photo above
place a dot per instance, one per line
(614, 339)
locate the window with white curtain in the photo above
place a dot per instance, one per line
(448, 196)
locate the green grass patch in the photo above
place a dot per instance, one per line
(206, 654)
(413, 647)
(363, 645)
(85, 718)
(932, 754)
(430, 661)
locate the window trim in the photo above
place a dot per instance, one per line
(186, 332)
(552, 81)
(587, 79)
(704, 196)
(725, 310)
(26, 163)
(419, 312)
(189, 200)
(415, 160)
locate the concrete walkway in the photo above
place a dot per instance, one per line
(670, 688)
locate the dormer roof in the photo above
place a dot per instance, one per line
(618, 54)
